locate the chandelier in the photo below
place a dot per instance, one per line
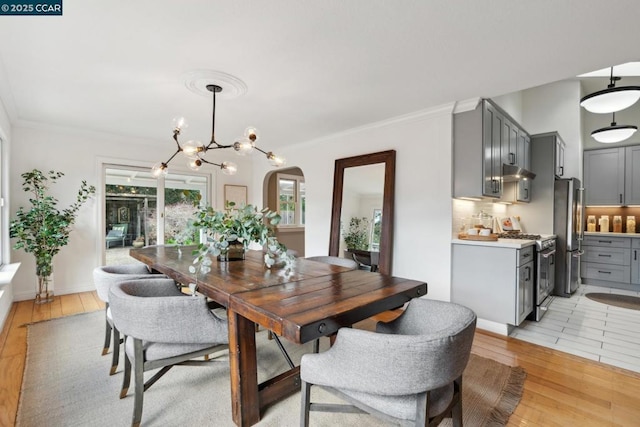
(613, 133)
(612, 98)
(195, 151)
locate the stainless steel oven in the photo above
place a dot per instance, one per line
(545, 276)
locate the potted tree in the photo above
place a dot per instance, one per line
(43, 229)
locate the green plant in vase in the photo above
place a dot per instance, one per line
(230, 232)
(43, 229)
(357, 235)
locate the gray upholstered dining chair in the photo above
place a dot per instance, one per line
(163, 328)
(104, 277)
(409, 372)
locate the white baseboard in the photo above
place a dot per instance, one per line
(24, 296)
(496, 328)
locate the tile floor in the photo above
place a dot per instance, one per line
(586, 328)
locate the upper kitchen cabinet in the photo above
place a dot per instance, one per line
(632, 175)
(485, 139)
(559, 157)
(604, 177)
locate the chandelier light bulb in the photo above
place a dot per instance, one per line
(192, 148)
(179, 123)
(229, 168)
(243, 146)
(251, 133)
(275, 160)
(194, 164)
(159, 169)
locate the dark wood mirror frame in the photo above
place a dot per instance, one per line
(386, 232)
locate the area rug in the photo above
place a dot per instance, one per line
(624, 301)
(66, 383)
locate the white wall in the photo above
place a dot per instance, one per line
(77, 155)
(556, 107)
(422, 227)
(6, 287)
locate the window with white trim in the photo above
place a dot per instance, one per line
(291, 200)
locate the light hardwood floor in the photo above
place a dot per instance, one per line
(560, 389)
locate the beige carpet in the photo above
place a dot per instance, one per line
(66, 383)
(624, 301)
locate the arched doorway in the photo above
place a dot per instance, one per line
(285, 192)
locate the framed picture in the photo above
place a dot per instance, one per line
(123, 214)
(236, 194)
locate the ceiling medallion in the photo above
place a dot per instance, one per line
(198, 80)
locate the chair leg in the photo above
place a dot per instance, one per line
(107, 335)
(126, 379)
(456, 411)
(306, 404)
(116, 351)
(138, 372)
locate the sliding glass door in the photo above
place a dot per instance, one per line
(141, 210)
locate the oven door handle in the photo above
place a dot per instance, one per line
(548, 254)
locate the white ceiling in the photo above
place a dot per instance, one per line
(312, 68)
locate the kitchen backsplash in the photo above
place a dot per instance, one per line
(611, 212)
(463, 209)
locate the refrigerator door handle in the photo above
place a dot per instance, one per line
(581, 219)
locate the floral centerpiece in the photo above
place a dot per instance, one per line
(233, 230)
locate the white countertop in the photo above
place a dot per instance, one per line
(501, 243)
(595, 233)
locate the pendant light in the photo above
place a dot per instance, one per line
(613, 133)
(612, 98)
(194, 151)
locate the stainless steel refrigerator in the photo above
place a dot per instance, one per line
(568, 214)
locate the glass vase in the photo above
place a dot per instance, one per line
(235, 252)
(43, 294)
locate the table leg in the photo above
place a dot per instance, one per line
(245, 402)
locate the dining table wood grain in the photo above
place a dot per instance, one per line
(300, 303)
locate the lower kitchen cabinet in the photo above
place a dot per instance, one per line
(635, 261)
(607, 260)
(495, 282)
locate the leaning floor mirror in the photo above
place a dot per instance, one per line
(363, 199)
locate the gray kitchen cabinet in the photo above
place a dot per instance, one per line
(484, 139)
(604, 175)
(635, 261)
(523, 192)
(632, 175)
(559, 157)
(495, 282)
(607, 260)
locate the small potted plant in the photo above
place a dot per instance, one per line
(230, 232)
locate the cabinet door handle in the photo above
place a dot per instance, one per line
(604, 272)
(605, 255)
(526, 192)
(512, 158)
(635, 255)
(605, 241)
(528, 270)
(620, 198)
(561, 168)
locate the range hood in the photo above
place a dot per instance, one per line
(512, 173)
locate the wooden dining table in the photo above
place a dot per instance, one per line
(302, 303)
